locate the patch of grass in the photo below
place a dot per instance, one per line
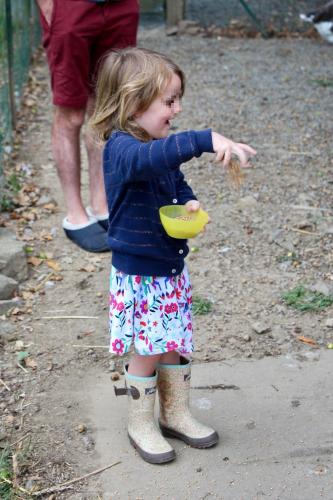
(304, 300)
(6, 492)
(201, 306)
(13, 183)
(290, 256)
(324, 82)
(9, 187)
(6, 204)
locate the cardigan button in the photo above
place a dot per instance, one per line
(181, 251)
(174, 271)
(174, 200)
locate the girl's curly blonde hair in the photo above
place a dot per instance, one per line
(128, 81)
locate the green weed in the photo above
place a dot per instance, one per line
(304, 300)
(6, 204)
(13, 183)
(324, 82)
(6, 492)
(201, 306)
(290, 256)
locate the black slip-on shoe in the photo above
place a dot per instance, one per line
(92, 238)
(104, 223)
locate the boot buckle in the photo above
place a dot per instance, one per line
(127, 391)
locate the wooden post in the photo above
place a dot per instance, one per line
(175, 11)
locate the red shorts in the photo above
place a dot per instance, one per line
(79, 34)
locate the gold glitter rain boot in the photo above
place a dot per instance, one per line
(142, 430)
(175, 418)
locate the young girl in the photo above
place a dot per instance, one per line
(138, 94)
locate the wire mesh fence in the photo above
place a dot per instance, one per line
(277, 14)
(19, 36)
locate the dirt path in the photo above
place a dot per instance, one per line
(273, 234)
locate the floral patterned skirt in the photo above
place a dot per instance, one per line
(153, 313)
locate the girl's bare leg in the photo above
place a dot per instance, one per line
(143, 366)
(170, 358)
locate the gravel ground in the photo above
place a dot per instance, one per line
(266, 238)
(270, 94)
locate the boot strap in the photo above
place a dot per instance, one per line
(127, 391)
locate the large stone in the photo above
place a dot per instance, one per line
(8, 286)
(6, 305)
(8, 332)
(13, 262)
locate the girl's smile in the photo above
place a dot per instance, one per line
(156, 119)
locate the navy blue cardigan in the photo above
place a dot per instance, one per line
(139, 178)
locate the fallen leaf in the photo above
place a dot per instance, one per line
(35, 261)
(47, 237)
(306, 340)
(30, 363)
(50, 206)
(16, 311)
(52, 264)
(89, 268)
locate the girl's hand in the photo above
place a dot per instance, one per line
(225, 148)
(192, 206)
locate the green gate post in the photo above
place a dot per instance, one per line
(254, 18)
(9, 36)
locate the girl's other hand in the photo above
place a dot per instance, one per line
(225, 148)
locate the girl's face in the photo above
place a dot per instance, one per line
(156, 119)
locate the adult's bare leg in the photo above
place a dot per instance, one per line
(66, 129)
(98, 201)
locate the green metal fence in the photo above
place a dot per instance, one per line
(19, 37)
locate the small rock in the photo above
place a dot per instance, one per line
(88, 442)
(45, 199)
(251, 424)
(115, 376)
(329, 323)
(247, 338)
(6, 305)
(295, 403)
(7, 332)
(13, 262)
(112, 365)
(81, 428)
(49, 284)
(260, 327)
(8, 286)
(323, 288)
(29, 484)
(172, 31)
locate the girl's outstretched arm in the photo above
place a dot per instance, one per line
(225, 148)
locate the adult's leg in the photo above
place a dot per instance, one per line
(66, 129)
(98, 201)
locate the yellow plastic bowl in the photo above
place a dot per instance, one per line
(179, 223)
